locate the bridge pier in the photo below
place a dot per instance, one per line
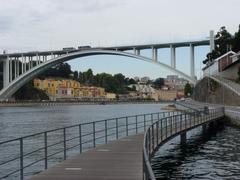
(5, 72)
(183, 138)
(192, 65)
(204, 127)
(173, 56)
(154, 54)
(138, 52)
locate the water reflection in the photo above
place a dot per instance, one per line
(212, 155)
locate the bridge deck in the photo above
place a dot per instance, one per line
(118, 160)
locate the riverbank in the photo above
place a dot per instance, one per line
(56, 103)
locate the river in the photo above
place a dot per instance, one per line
(212, 155)
(21, 121)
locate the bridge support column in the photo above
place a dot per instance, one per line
(173, 57)
(204, 127)
(15, 67)
(22, 64)
(154, 54)
(25, 64)
(134, 51)
(192, 65)
(10, 69)
(6, 72)
(212, 43)
(138, 52)
(183, 138)
(18, 68)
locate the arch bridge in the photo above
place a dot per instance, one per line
(19, 68)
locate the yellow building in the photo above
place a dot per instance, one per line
(110, 96)
(58, 87)
(67, 88)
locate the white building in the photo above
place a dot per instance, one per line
(225, 66)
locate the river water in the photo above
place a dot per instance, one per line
(16, 122)
(211, 155)
(21, 121)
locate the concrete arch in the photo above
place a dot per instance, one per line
(17, 83)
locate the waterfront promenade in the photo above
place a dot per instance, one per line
(129, 157)
(118, 160)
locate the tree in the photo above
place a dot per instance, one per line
(132, 81)
(75, 75)
(223, 44)
(236, 41)
(61, 70)
(188, 89)
(158, 83)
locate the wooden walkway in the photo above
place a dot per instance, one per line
(118, 160)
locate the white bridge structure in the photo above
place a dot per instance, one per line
(19, 68)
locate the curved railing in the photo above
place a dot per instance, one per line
(166, 128)
(26, 156)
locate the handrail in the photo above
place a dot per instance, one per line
(158, 133)
(87, 135)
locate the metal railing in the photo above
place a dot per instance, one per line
(23, 157)
(166, 128)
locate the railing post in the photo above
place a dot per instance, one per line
(21, 159)
(80, 138)
(116, 128)
(190, 120)
(106, 134)
(181, 122)
(153, 146)
(149, 143)
(64, 143)
(126, 126)
(185, 121)
(144, 121)
(136, 121)
(161, 131)
(157, 131)
(94, 135)
(194, 116)
(45, 151)
(171, 124)
(166, 127)
(152, 118)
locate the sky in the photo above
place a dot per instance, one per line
(30, 25)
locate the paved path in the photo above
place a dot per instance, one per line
(118, 160)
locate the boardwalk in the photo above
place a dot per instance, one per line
(118, 160)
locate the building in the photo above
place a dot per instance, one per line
(173, 82)
(226, 66)
(143, 91)
(67, 88)
(110, 96)
(144, 80)
(169, 95)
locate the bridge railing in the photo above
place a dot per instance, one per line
(166, 128)
(23, 157)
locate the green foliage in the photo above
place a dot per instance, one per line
(62, 70)
(224, 42)
(238, 79)
(236, 41)
(28, 92)
(158, 83)
(188, 89)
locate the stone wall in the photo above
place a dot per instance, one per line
(210, 91)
